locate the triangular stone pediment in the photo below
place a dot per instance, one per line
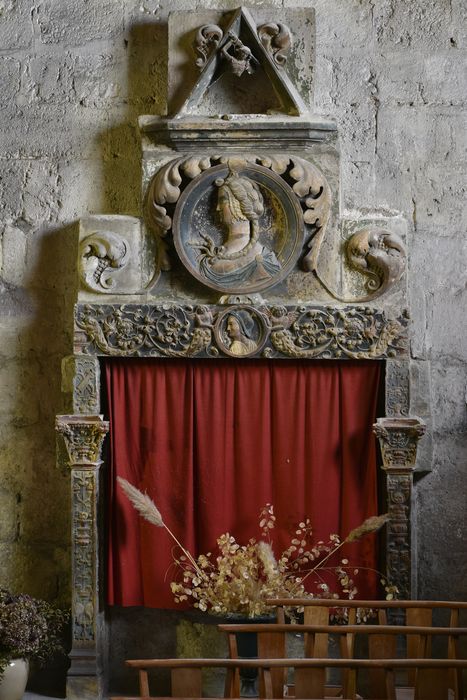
(242, 70)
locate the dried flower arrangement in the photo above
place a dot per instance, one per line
(30, 628)
(241, 578)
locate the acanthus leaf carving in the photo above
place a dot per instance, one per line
(277, 40)
(378, 254)
(206, 41)
(100, 253)
(309, 186)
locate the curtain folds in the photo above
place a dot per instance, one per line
(214, 441)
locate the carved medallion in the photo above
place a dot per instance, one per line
(240, 331)
(238, 228)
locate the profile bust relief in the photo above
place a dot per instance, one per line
(240, 331)
(241, 256)
(238, 227)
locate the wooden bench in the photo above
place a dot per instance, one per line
(412, 612)
(186, 674)
(272, 643)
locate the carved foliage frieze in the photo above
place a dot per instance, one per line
(173, 330)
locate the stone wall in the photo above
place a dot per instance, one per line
(74, 77)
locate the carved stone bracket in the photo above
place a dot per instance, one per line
(398, 439)
(378, 254)
(84, 437)
(99, 254)
(172, 330)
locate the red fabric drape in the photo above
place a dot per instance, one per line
(212, 442)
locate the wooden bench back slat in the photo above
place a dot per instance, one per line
(272, 645)
(186, 682)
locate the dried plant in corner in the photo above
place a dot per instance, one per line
(239, 579)
(30, 628)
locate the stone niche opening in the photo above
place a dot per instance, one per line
(309, 281)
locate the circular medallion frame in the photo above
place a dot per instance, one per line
(275, 234)
(241, 331)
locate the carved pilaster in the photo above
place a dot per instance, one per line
(398, 439)
(81, 384)
(84, 436)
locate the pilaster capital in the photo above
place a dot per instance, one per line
(398, 438)
(84, 437)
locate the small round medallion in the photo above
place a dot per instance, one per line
(240, 331)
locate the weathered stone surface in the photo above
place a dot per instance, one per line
(8, 515)
(16, 24)
(77, 22)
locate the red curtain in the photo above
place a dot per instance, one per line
(213, 441)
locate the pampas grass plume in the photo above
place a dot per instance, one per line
(369, 525)
(141, 501)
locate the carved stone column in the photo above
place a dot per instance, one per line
(84, 436)
(398, 438)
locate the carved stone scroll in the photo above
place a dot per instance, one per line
(398, 439)
(100, 254)
(378, 254)
(207, 39)
(277, 39)
(172, 330)
(83, 438)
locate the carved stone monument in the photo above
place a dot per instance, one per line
(241, 251)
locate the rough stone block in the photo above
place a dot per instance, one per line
(16, 24)
(51, 131)
(8, 516)
(9, 80)
(442, 204)
(333, 25)
(27, 572)
(421, 393)
(420, 23)
(412, 137)
(17, 403)
(14, 255)
(449, 389)
(12, 179)
(77, 22)
(439, 296)
(41, 192)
